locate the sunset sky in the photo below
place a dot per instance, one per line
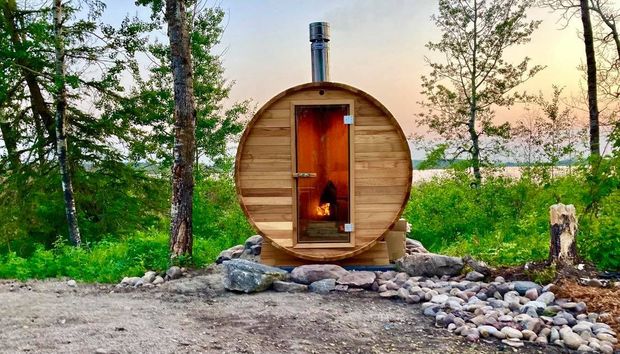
(377, 46)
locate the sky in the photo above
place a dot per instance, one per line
(377, 46)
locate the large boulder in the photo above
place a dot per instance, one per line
(429, 264)
(363, 279)
(308, 274)
(246, 276)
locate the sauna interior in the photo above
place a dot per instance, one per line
(323, 172)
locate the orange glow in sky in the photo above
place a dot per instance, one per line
(377, 46)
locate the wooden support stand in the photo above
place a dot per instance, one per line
(388, 249)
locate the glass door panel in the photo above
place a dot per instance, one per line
(323, 173)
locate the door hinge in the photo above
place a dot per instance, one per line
(349, 119)
(348, 228)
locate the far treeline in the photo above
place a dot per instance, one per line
(114, 139)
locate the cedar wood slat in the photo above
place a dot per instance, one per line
(381, 174)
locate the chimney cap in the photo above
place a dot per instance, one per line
(319, 32)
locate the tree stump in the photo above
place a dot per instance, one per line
(563, 246)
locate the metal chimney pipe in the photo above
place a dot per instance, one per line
(319, 37)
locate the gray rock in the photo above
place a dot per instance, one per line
(607, 348)
(584, 349)
(361, 279)
(528, 335)
(439, 299)
(539, 307)
(511, 296)
(559, 321)
(307, 274)
(488, 331)
(149, 276)
(607, 338)
(323, 286)
(139, 283)
(130, 281)
(256, 250)
(547, 297)
(158, 280)
(71, 283)
(253, 241)
(431, 310)
(246, 276)
(389, 294)
(522, 286)
(429, 264)
(513, 342)
(581, 307)
(582, 327)
(289, 287)
(570, 338)
(534, 324)
(512, 333)
(211, 284)
(554, 335)
(231, 253)
(174, 272)
(478, 266)
(531, 294)
(568, 305)
(474, 276)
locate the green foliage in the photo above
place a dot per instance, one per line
(545, 275)
(473, 76)
(106, 261)
(505, 221)
(114, 198)
(217, 214)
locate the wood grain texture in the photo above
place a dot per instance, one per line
(380, 175)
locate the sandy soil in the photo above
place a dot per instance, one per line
(196, 316)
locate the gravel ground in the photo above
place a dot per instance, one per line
(195, 315)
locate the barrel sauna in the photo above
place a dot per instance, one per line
(323, 171)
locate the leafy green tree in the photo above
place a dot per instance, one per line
(95, 57)
(152, 102)
(473, 77)
(550, 134)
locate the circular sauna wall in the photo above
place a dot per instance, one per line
(379, 173)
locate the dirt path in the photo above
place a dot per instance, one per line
(196, 316)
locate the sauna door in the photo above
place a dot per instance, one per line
(322, 172)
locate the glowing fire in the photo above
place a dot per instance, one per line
(323, 209)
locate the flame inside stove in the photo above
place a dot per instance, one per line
(323, 209)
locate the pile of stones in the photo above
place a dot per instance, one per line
(250, 250)
(152, 279)
(513, 312)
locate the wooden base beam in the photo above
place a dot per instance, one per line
(376, 256)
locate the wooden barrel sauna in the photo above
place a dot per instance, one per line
(323, 171)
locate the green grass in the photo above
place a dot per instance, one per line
(505, 221)
(107, 261)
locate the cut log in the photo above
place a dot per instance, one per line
(563, 246)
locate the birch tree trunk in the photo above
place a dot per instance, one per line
(588, 40)
(61, 134)
(184, 130)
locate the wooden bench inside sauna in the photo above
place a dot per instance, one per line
(323, 172)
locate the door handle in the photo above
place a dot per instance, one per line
(304, 174)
